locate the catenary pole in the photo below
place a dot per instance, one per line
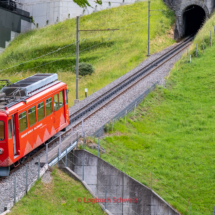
(148, 28)
(77, 54)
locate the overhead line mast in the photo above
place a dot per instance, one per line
(77, 52)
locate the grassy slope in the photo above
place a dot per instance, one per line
(113, 54)
(172, 135)
(58, 197)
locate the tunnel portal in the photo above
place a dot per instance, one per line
(193, 18)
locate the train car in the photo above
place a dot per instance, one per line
(31, 112)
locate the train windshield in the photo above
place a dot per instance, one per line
(1, 130)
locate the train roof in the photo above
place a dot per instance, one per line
(20, 91)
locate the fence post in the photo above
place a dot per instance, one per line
(66, 159)
(77, 137)
(95, 133)
(26, 181)
(58, 157)
(105, 198)
(46, 153)
(197, 50)
(84, 140)
(39, 169)
(60, 143)
(82, 127)
(125, 164)
(187, 54)
(151, 180)
(135, 106)
(71, 136)
(98, 147)
(203, 44)
(83, 171)
(14, 190)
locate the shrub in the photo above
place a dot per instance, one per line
(84, 69)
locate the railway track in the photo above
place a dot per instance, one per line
(131, 80)
(100, 102)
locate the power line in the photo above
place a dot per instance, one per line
(59, 49)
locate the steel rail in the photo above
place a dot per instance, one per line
(99, 100)
(133, 84)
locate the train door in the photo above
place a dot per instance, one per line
(57, 113)
(62, 108)
(13, 124)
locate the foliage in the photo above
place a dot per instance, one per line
(58, 197)
(84, 69)
(82, 3)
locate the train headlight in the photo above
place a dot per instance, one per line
(1, 151)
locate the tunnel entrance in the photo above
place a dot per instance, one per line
(193, 16)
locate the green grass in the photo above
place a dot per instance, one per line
(112, 55)
(172, 134)
(58, 197)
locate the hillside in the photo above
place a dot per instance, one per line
(172, 134)
(112, 54)
(58, 197)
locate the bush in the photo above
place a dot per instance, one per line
(84, 69)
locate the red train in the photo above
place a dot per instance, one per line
(31, 111)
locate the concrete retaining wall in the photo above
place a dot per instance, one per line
(100, 176)
(11, 24)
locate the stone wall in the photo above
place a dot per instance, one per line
(179, 6)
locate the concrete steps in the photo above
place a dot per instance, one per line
(13, 35)
(1, 50)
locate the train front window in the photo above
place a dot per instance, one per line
(1, 130)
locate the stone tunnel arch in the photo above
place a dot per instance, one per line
(193, 18)
(182, 14)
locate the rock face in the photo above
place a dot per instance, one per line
(187, 15)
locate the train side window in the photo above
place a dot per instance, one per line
(66, 97)
(56, 102)
(1, 130)
(32, 116)
(22, 122)
(61, 98)
(9, 129)
(49, 108)
(40, 111)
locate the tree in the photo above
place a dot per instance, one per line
(85, 3)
